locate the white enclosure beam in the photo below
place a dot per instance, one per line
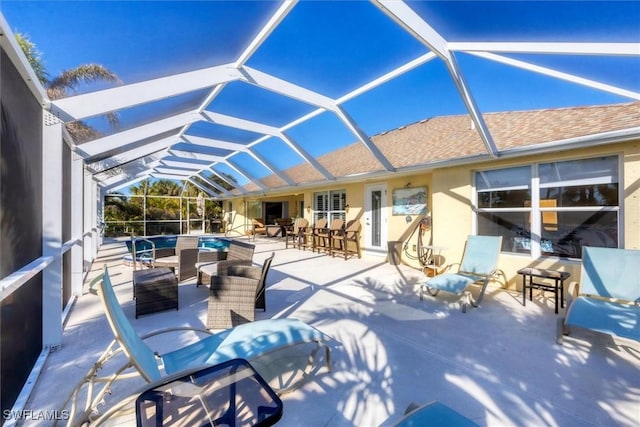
(287, 89)
(244, 173)
(132, 154)
(364, 139)
(421, 60)
(182, 154)
(223, 178)
(213, 184)
(625, 49)
(264, 162)
(108, 100)
(174, 171)
(264, 33)
(116, 179)
(214, 143)
(306, 156)
(423, 32)
(202, 187)
(414, 24)
(125, 183)
(183, 164)
(559, 75)
(237, 123)
(168, 176)
(120, 139)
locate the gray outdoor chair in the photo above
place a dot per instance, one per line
(212, 263)
(234, 297)
(183, 257)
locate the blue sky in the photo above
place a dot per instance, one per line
(332, 51)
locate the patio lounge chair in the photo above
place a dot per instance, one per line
(234, 297)
(249, 341)
(217, 262)
(608, 296)
(258, 226)
(432, 414)
(180, 259)
(479, 264)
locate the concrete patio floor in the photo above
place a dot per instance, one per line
(498, 365)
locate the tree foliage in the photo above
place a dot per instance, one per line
(68, 82)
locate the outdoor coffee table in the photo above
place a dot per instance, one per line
(557, 288)
(231, 393)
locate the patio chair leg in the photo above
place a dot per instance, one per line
(561, 330)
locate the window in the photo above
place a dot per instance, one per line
(254, 209)
(329, 205)
(551, 208)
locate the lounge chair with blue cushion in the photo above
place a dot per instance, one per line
(479, 264)
(248, 341)
(434, 414)
(608, 296)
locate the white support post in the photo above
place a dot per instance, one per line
(96, 194)
(52, 231)
(77, 217)
(88, 201)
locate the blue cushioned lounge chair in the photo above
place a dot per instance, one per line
(433, 414)
(248, 341)
(608, 295)
(479, 264)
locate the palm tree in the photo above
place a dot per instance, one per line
(67, 82)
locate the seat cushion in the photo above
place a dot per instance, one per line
(605, 316)
(452, 282)
(246, 341)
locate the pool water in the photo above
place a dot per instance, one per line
(143, 247)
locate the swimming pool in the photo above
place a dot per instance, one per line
(144, 246)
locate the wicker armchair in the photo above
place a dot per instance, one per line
(183, 257)
(213, 263)
(233, 298)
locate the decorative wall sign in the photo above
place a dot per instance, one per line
(410, 201)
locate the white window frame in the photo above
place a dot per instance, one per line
(536, 210)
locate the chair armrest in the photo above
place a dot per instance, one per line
(244, 271)
(223, 266)
(572, 292)
(211, 256)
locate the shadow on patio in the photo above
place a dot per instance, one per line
(498, 364)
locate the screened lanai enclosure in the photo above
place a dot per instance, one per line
(243, 99)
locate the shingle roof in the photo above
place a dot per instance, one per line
(453, 137)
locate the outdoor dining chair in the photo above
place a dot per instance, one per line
(295, 234)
